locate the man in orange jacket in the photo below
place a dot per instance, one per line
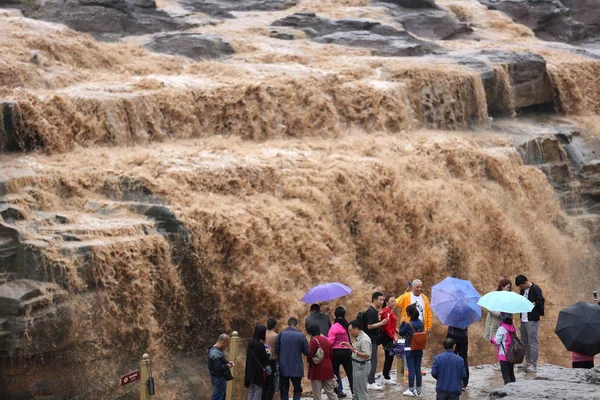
(416, 297)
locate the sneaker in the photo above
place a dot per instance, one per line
(522, 366)
(409, 392)
(531, 368)
(496, 367)
(418, 392)
(388, 381)
(341, 395)
(374, 386)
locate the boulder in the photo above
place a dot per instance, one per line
(381, 39)
(192, 45)
(425, 19)
(549, 19)
(223, 8)
(529, 80)
(553, 382)
(105, 19)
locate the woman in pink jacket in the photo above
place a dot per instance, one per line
(338, 333)
(502, 340)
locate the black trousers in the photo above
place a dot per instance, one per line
(508, 372)
(389, 358)
(462, 349)
(583, 364)
(343, 357)
(269, 388)
(285, 387)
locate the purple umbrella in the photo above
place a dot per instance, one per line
(326, 292)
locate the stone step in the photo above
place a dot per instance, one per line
(22, 296)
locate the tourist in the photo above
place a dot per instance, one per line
(413, 357)
(374, 324)
(493, 317)
(320, 374)
(219, 367)
(530, 322)
(269, 390)
(257, 358)
(579, 360)
(361, 353)
(416, 297)
(389, 334)
(289, 347)
(342, 356)
(317, 317)
(502, 340)
(461, 348)
(449, 370)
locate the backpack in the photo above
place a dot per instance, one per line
(362, 319)
(419, 339)
(516, 350)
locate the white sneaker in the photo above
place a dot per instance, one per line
(388, 382)
(409, 392)
(374, 386)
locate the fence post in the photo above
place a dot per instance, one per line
(145, 371)
(400, 370)
(233, 351)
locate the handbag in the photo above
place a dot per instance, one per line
(267, 371)
(319, 354)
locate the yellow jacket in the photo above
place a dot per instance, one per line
(403, 301)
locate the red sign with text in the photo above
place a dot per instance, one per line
(130, 377)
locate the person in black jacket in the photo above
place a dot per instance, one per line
(257, 358)
(461, 341)
(530, 322)
(218, 366)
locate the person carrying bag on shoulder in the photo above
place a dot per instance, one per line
(416, 340)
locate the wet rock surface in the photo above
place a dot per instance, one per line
(425, 19)
(106, 19)
(192, 45)
(554, 382)
(555, 20)
(381, 39)
(223, 8)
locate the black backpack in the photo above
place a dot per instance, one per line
(362, 320)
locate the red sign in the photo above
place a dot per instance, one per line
(130, 377)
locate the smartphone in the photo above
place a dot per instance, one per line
(595, 295)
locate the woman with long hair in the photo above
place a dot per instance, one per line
(389, 334)
(342, 356)
(493, 318)
(413, 357)
(257, 358)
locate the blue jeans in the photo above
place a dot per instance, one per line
(219, 387)
(413, 363)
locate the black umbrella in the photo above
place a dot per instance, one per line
(578, 327)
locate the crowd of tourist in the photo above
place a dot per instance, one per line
(274, 361)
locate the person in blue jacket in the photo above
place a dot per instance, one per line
(449, 371)
(289, 347)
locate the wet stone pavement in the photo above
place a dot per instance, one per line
(550, 382)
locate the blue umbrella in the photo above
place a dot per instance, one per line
(454, 301)
(504, 301)
(326, 292)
